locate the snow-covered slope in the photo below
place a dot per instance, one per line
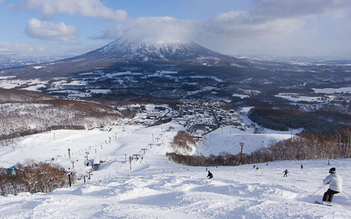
(227, 139)
(146, 50)
(158, 188)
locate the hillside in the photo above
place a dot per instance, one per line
(11, 95)
(26, 112)
(157, 188)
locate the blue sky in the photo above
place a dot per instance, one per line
(271, 27)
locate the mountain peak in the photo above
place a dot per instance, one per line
(148, 49)
(160, 40)
(129, 51)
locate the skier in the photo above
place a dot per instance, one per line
(210, 175)
(286, 173)
(301, 166)
(335, 185)
(254, 166)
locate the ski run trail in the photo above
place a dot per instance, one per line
(158, 188)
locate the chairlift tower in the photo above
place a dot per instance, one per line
(241, 153)
(144, 150)
(86, 155)
(72, 164)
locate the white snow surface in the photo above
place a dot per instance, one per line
(100, 91)
(242, 96)
(159, 188)
(332, 90)
(297, 97)
(227, 139)
(33, 84)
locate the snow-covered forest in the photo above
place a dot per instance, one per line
(26, 112)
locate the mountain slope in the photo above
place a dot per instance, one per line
(158, 188)
(26, 112)
(127, 52)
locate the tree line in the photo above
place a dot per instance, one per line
(33, 177)
(283, 120)
(307, 146)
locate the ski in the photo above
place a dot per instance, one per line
(321, 203)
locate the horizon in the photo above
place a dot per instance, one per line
(274, 28)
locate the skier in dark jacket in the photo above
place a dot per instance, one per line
(286, 173)
(210, 175)
(335, 185)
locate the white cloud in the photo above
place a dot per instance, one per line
(48, 30)
(88, 8)
(270, 9)
(240, 24)
(15, 47)
(269, 25)
(231, 25)
(149, 27)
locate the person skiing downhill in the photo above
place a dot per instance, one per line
(285, 173)
(335, 185)
(210, 175)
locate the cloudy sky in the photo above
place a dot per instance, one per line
(246, 27)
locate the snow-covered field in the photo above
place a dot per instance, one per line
(32, 85)
(333, 90)
(242, 96)
(297, 97)
(228, 138)
(158, 188)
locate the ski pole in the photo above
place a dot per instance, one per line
(317, 190)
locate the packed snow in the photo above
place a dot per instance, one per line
(155, 187)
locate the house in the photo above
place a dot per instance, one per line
(199, 129)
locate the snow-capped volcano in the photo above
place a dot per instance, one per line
(129, 52)
(147, 49)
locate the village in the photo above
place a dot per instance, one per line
(198, 117)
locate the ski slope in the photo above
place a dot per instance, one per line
(158, 188)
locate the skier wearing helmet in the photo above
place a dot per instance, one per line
(335, 185)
